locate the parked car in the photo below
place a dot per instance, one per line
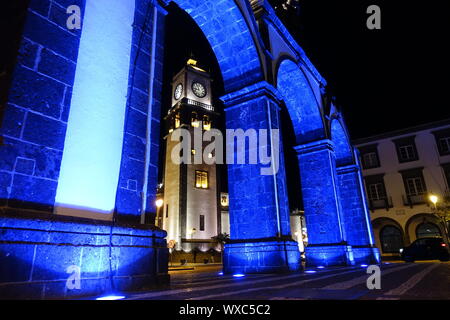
(430, 248)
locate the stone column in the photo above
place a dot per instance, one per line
(33, 122)
(136, 193)
(326, 238)
(259, 211)
(355, 215)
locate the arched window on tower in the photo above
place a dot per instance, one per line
(194, 120)
(206, 123)
(177, 120)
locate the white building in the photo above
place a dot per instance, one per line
(191, 213)
(401, 170)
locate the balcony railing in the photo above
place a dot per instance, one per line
(384, 203)
(411, 200)
(199, 104)
(191, 102)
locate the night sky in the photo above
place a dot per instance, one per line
(384, 79)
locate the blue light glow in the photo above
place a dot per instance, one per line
(238, 275)
(310, 271)
(111, 298)
(364, 265)
(320, 267)
(220, 273)
(93, 145)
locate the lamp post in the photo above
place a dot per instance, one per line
(434, 200)
(159, 203)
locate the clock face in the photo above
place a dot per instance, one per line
(178, 91)
(199, 90)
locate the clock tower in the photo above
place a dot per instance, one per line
(190, 213)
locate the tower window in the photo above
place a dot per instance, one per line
(206, 123)
(177, 120)
(194, 120)
(201, 179)
(202, 223)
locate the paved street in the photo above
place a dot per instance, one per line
(423, 280)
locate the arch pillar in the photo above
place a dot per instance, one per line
(326, 238)
(259, 210)
(355, 215)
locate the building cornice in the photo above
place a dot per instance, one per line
(401, 132)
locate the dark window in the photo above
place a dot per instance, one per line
(415, 186)
(370, 160)
(446, 168)
(407, 152)
(391, 239)
(376, 192)
(427, 229)
(444, 145)
(406, 149)
(167, 210)
(369, 157)
(443, 141)
(202, 223)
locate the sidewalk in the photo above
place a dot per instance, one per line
(191, 266)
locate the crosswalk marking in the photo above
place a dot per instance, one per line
(354, 282)
(283, 286)
(219, 286)
(298, 280)
(201, 288)
(408, 284)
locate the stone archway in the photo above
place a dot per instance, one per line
(249, 101)
(326, 242)
(335, 208)
(379, 224)
(355, 217)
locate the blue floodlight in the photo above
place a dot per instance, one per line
(112, 297)
(238, 275)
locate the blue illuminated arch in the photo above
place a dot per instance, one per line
(343, 149)
(301, 103)
(229, 36)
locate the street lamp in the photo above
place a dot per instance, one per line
(159, 203)
(434, 199)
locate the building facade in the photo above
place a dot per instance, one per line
(191, 212)
(401, 170)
